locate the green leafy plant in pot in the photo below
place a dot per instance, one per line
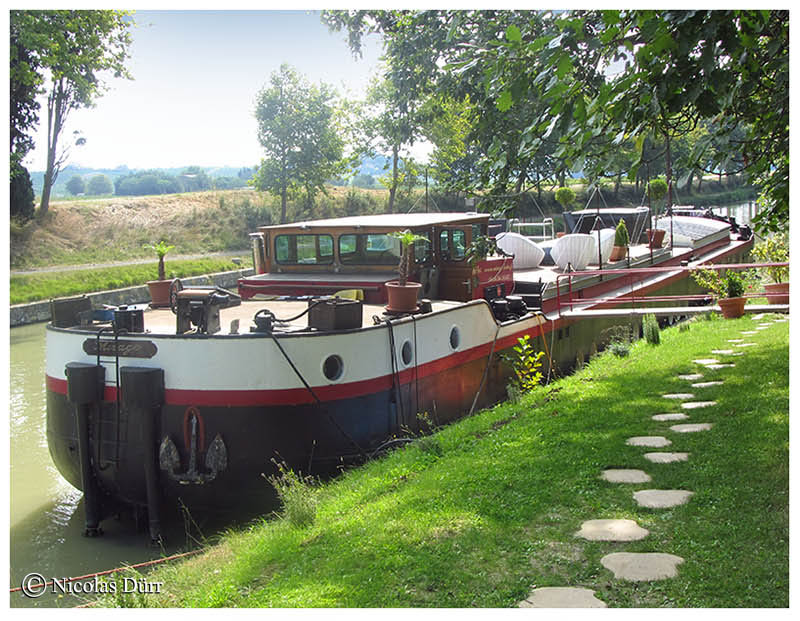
(621, 241)
(727, 289)
(402, 293)
(159, 289)
(656, 189)
(775, 249)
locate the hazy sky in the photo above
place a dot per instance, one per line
(196, 75)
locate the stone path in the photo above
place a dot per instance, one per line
(642, 566)
(666, 417)
(626, 476)
(661, 498)
(562, 597)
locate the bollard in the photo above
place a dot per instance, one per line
(85, 384)
(142, 396)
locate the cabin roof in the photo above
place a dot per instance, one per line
(398, 221)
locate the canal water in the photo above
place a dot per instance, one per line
(46, 512)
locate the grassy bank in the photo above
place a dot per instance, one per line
(46, 285)
(478, 513)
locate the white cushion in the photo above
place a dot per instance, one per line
(527, 253)
(575, 249)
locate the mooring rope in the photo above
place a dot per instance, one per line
(107, 572)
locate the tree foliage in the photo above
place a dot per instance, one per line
(67, 54)
(298, 131)
(571, 90)
(76, 185)
(99, 185)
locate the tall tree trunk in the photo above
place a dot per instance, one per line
(668, 165)
(55, 121)
(393, 186)
(283, 205)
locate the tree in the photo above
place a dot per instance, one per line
(76, 185)
(24, 115)
(99, 184)
(297, 129)
(572, 87)
(71, 51)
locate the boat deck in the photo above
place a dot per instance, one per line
(163, 321)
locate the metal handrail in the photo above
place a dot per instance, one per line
(633, 271)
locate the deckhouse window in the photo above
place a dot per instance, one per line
(376, 249)
(304, 249)
(453, 244)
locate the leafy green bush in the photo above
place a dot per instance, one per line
(652, 332)
(525, 363)
(774, 249)
(621, 237)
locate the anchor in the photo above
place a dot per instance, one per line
(216, 459)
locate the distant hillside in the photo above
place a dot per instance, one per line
(60, 187)
(369, 166)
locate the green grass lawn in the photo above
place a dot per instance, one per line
(487, 509)
(46, 285)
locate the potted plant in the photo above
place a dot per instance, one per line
(621, 241)
(775, 249)
(727, 289)
(403, 294)
(657, 189)
(159, 289)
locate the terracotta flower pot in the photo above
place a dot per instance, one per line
(732, 308)
(777, 293)
(402, 298)
(159, 293)
(618, 253)
(656, 237)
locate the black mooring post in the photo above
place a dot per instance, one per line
(85, 384)
(142, 396)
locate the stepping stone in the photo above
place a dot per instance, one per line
(678, 395)
(745, 345)
(748, 332)
(619, 475)
(707, 384)
(562, 597)
(693, 405)
(691, 376)
(665, 417)
(705, 361)
(725, 365)
(726, 352)
(653, 441)
(642, 566)
(761, 327)
(758, 317)
(691, 427)
(612, 530)
(661, 498)
(735, 340)
(666, 458)
(780, 320)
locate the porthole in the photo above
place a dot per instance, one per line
(455, 338)
(407, 353)
(333, 367)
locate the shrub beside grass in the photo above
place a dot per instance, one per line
(495, 508)
(46, 285)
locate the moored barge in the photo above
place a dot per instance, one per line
(305, 365)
